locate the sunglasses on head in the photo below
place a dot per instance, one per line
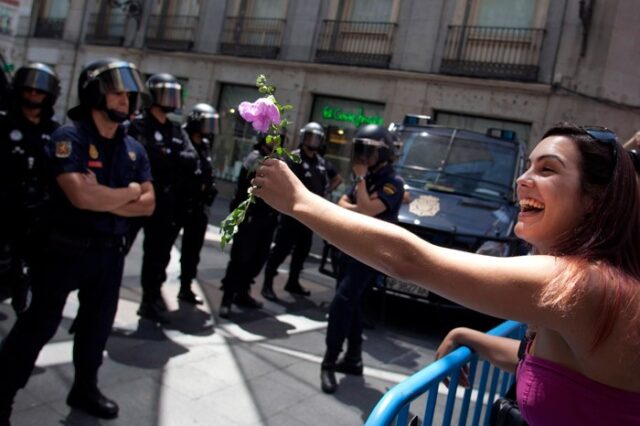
(605, 136)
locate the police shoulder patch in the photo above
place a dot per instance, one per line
(63, 149)
(389, 189)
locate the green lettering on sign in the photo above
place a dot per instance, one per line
(357, 118)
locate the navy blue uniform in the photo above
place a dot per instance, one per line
(24, 191)
(202, 193)
(252, 241)
(85, 251)
(345, 312)
(292, 236)
(173, 162)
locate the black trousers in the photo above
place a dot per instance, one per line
(193, 233)
(249, 252)
(345, 311)
(291, 237)
(95, 268)
(160, 232)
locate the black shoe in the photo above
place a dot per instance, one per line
(225, 311)
(246, 301)
(349, 366)
(151, 312)
(328, 380)
(268, 294)
(187, 295)
(93, 402)
(296, 289)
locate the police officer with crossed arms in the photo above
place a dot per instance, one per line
(173, 162)
(25, 130)
(102, 178)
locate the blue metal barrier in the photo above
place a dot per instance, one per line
(394, 407)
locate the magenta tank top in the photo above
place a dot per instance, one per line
(550, 394)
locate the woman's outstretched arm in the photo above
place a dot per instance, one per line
(503, 287)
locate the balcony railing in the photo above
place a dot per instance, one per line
(171, 32)
(106, 29)
(254, 37)
(356, 43)
(493, 52)
(49, 27)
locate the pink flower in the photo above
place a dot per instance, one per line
(261, 114)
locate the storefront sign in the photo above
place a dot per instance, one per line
(357, 118)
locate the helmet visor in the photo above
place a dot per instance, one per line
(34, 78)
(365, 151)
(120, 77)
(312, 139)
(210, 124)
(167, 95)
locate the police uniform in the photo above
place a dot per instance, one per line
(85, 251)
(173, 161)
(290, 233)
(201, 194)
(251, 243)
(24, 191)
(345, 311)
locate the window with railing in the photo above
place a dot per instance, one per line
(493, 52)
(51, 18)
(107, 28)
(356, 43)
(5, 19)
(171, 32)
(256, 37)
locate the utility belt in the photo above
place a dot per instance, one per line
(61, 239)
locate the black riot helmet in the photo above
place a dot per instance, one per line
(203, 119)
(166, 92)
(108, 75)
(372, 145)
(36, 76)
(312, 135)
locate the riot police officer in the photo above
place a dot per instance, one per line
(25, 129)
(292, 236)
(378, 192)
(201, 126)
(252, 241)
(102, 177)
(173, 162)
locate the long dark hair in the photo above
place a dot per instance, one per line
(609, 235)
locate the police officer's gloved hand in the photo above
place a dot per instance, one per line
(6, 258)
(210, 195)
(21, 291)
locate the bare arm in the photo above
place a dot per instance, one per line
(85, 193)
(499, 351)
(143, 206)
(503, 287)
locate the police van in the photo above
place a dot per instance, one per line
(460, 192)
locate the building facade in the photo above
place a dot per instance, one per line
(516, 64)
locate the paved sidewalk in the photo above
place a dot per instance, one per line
(260, 368)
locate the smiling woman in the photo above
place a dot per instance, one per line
(581, 213)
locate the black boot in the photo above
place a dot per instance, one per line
(294, 287)
(152, 311)
(328, 381)
(89, 399)
(6, 404)
(187, 295)
(267, 289)
(351, 362)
